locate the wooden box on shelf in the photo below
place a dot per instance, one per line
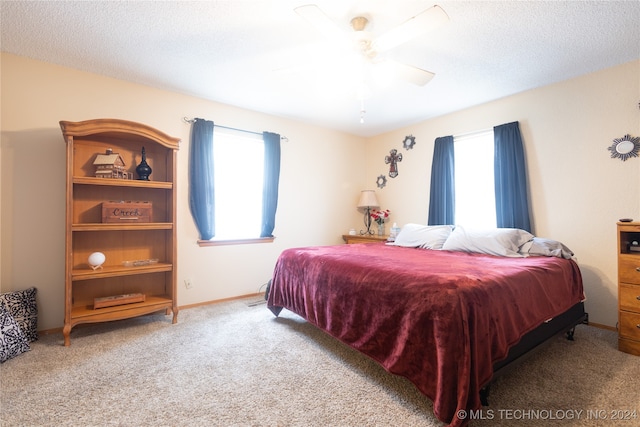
(126, 211)
(111, 301)
(628, 288)
(151, 236)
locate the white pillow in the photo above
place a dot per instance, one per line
(539, 246)
(495, 241)
(422, 236)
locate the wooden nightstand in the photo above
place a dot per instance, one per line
(629, 287)
(367, 238)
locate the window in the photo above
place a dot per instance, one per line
(238, 159)
(231, 179)
(475, 203)
(510, 179)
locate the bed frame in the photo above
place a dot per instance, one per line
(536, 340)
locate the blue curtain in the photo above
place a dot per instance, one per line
(201, 185)
(512, 206)
(271, 181)
(442, 195)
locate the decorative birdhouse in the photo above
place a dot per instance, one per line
(110, 165)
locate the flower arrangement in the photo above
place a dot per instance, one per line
(380, 216)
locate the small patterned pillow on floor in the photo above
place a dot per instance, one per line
(21, 305)
(12, 341)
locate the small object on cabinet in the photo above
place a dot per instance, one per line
(114, 300)
(140, 262)
(143, 170)
(110, 165)
(393, 233)
(96, 260)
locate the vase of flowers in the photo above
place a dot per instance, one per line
(380, 217)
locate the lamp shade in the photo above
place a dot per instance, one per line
(368, 199)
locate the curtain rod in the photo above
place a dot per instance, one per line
(188, 120)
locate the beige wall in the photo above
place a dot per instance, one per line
(322, 173)
(577, 191)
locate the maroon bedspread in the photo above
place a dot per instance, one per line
(440, 319)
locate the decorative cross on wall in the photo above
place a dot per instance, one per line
(392, 159)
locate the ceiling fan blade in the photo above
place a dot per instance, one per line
(316, 17)
(412, 28)
(408, 73)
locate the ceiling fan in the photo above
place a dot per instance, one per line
(371, 47)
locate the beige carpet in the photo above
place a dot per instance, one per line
(230, 364)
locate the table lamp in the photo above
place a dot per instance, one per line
(367, 201)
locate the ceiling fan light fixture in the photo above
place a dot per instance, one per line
(360, 69)
(362, 39)
(359, 23)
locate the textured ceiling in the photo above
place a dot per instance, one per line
(262, 56)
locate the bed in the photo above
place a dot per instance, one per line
(448, 314)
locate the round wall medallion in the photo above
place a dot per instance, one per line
(625, 147)
(409, 142)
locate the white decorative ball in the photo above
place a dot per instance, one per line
(96, 259)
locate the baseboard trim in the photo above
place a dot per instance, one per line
(601, 326)
(183, 307)
(216, 301)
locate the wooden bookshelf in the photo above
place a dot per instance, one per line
(121, 243)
